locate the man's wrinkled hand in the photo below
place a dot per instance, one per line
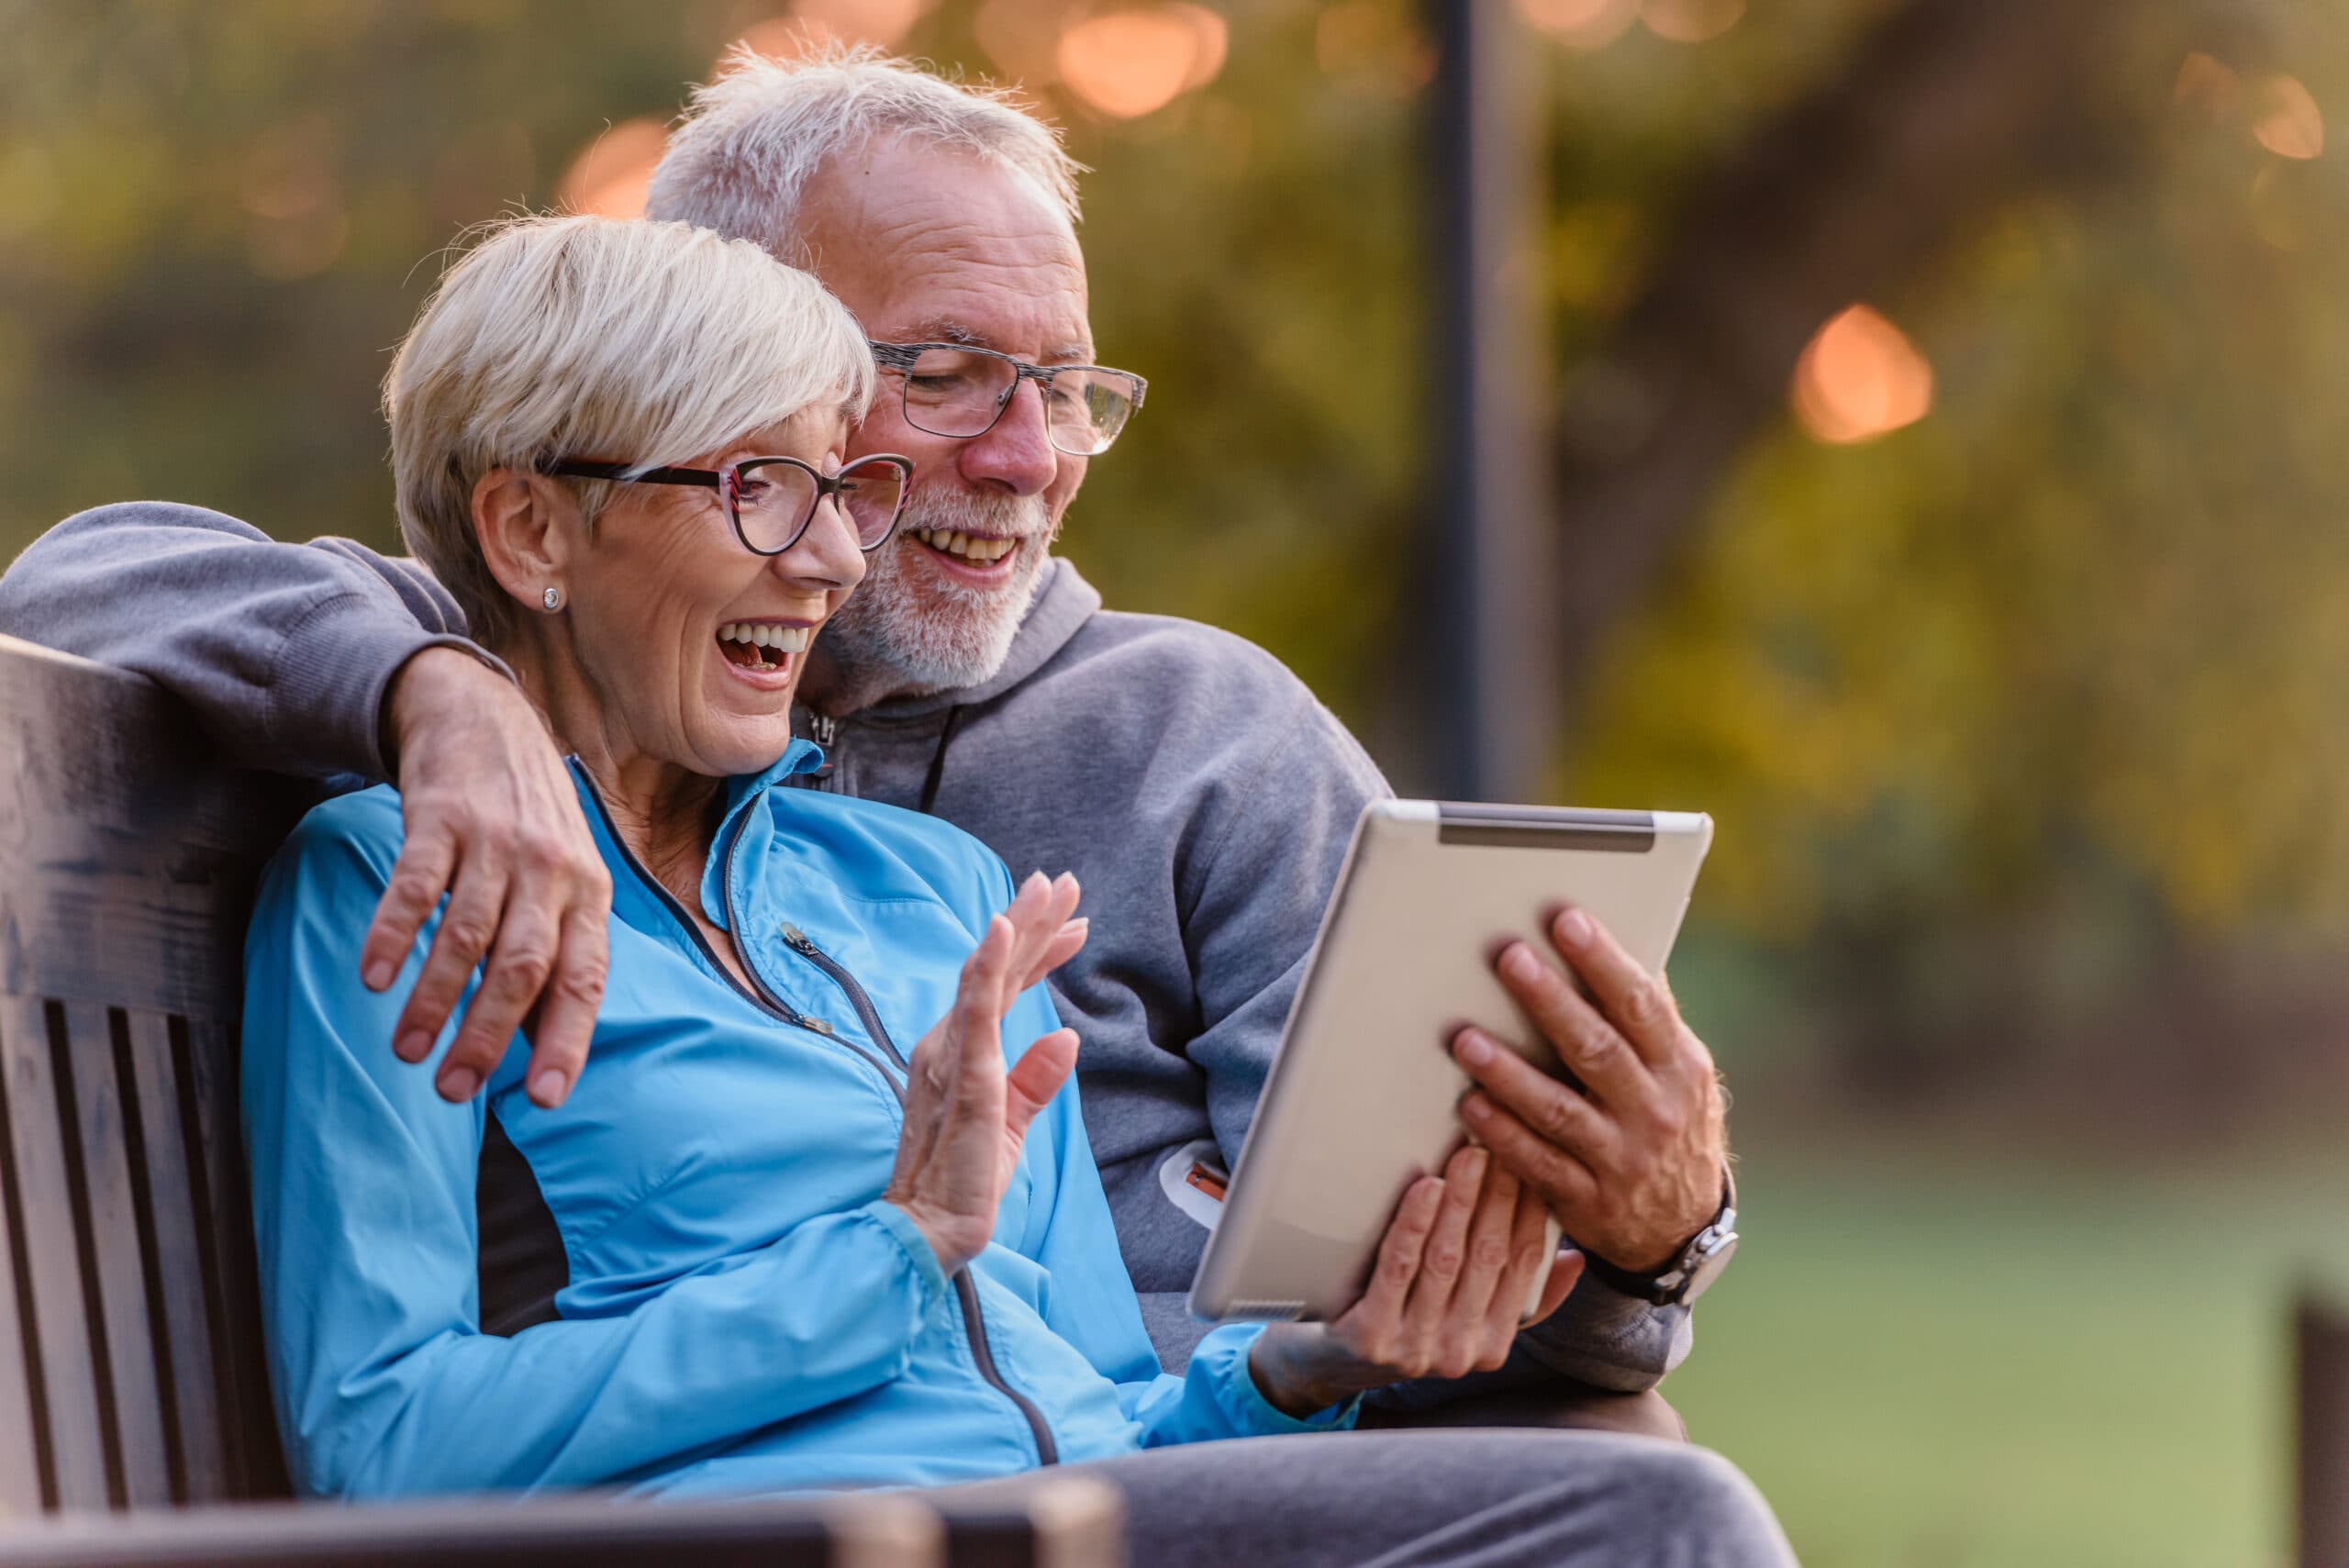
(494, 822)
(1632, 1161)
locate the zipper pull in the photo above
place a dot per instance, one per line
(822, 728)
(801, 943)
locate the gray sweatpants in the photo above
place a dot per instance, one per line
(1475, 1498)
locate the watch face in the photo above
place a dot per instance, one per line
(1706, 1269)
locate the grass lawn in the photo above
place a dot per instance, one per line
(1936, 1363)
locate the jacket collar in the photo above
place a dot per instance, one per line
(741, 792)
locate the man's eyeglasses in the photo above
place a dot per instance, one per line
(771, 500)
(952, 389)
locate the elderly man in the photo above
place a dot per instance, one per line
(1197, 790)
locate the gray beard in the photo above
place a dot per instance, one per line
(897, 636)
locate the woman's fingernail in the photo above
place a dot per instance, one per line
(1519, 964)
(1473, 1167)
(458, 1084)
(1476, 1051)
(1574, 929)
(548, 1087)
(1476, 1108)
(379, 974)
(413, 1046)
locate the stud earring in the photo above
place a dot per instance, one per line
(553, 598)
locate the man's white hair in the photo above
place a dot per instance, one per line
(580, 336)
(741, 158)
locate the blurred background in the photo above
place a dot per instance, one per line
(1943, 412)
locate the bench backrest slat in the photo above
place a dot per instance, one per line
(24, 1449)
(118, 1209)
(62, 1361)
(129, 1338)
(189, 1388)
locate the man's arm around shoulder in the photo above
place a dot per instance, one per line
(285, 652)
(329, 659)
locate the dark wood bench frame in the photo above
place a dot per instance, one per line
(131, 1376)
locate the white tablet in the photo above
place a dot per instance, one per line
(1362, 1097)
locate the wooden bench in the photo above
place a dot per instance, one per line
(131, 1380)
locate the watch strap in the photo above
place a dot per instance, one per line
(1667, 1287)
(1623, 1282)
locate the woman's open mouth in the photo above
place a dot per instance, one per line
(764, 646)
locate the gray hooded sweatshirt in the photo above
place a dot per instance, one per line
(1201, 794)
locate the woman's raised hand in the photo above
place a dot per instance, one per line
(1444, 1298)
(966, 1115)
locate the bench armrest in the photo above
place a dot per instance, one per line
(1049, 1522)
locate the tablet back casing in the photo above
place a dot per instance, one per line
(1362, 1100)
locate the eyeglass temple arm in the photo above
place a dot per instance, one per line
(707, 478)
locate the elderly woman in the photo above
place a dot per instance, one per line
(820, 1211)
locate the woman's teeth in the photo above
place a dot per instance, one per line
(760, 639)
(976, 547)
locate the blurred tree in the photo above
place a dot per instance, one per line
(2017, 718)
(2030, 708)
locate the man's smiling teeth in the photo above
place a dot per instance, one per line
(970, 546)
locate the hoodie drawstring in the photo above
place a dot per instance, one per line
(938, 761)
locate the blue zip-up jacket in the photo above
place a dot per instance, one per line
(734, 1307)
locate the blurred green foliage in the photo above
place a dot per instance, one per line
(2000, 713)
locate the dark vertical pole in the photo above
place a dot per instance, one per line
(1496, 684)
(2320, 1419)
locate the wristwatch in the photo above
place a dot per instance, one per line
(1691, 1271)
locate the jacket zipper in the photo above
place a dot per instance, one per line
(966, 1289)
(766, 1002)
(801, 943)
(775, 1004)
(824, 730)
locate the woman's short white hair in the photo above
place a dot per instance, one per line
(578, 337)
(742, 155)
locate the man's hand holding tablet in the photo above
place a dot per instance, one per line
(1631, 1162)
(1524, 946)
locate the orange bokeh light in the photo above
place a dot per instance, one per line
(1581, 24)
(1022, 37)
(2288, 121)
(1130, 63)
(1691, 21)
(810, 24)
(1860, 377)
(2207, 80)
(610, 177)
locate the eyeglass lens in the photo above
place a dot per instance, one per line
(951, 392)
(774, 500)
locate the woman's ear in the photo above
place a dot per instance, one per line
(523, 521)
